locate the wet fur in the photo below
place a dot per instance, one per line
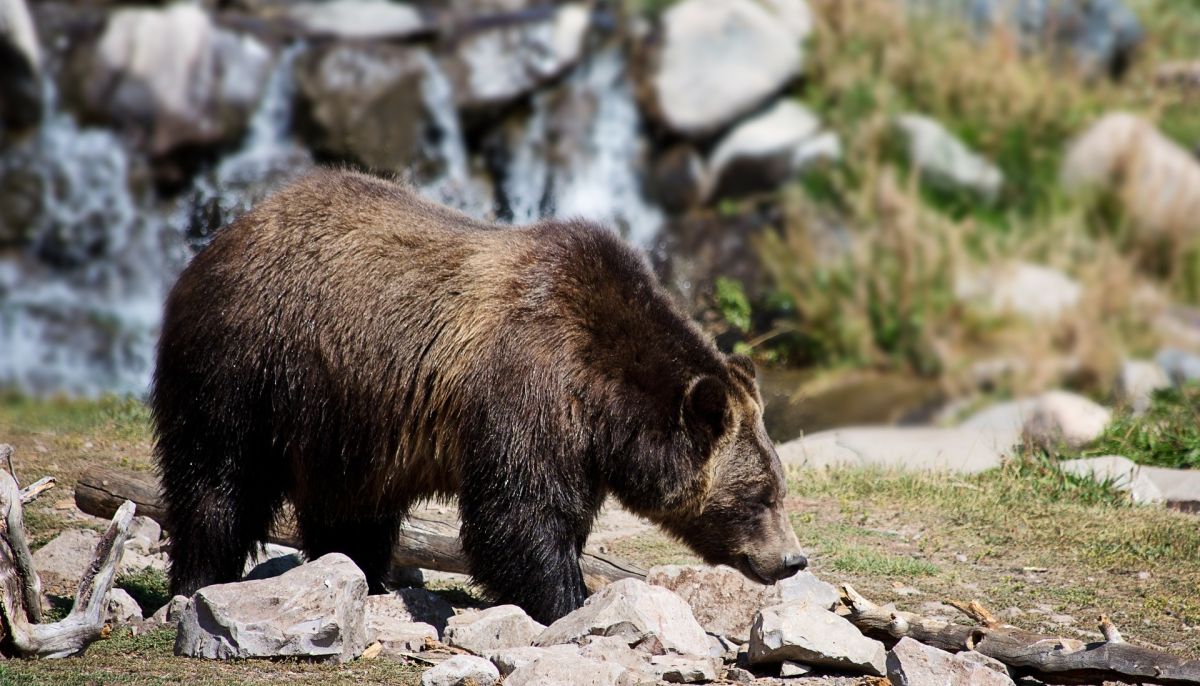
(355, 349)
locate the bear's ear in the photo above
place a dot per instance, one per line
(706, 406)
(743, 364)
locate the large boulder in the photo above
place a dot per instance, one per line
(503, 626)
(1038, 293)
(315, 611)
(1156, 180)
(911, 663)
(62, 562)
(724, 601)
(805, 633)
(21, 64)
(1047, 420)
(720, 59)
(170, 78)
(567, 670)
(767, 149)
(946, 162)
(963, 450)
(498, 65)
(644, 616)
(364, 103)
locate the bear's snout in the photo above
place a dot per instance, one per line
(793, 563)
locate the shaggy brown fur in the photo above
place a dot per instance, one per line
(354, 349)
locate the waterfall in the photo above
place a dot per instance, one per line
(599, 180)
(79, 307)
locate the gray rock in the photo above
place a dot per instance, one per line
(170, 77)
(945, 161)
(613, 650)
(357, 19)
(1050, 419)
(172, 612)
(393, 629)
(678, 180)
(361, 102)
(1180, 366)
(1156, 179)
(914, 664)
(62, 562)
(508, 660)
(981, 659)
(765, 150)
(462, 670)
(1037, 293)
(503, 626)
(414, 605)
(738, 675)
(498, 65)
(1179, 487)
(790, 669)
(684, 669)
(566, 670)
(132, 562)
(720, 59)
(1121, 472)
(1137, 382)
(272, 561)
(122, 608)
(642, 615)
(20, 89)
(805, 633)
(316, 610)
(961, 450)
(724, 601)
(146, 529)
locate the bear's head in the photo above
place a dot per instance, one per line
(737, 518)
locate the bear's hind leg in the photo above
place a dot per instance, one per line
(215, 522)
(366, 540)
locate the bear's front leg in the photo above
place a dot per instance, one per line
(522, 551)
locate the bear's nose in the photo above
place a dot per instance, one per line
(792, 563)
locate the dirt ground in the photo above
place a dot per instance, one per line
(1046, 552)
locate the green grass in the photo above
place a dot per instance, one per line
(147, 659)
(149, 587)
(120, 417)
(1167, 435)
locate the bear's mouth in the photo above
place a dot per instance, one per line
(748, 569)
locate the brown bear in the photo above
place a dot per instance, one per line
(354, 349)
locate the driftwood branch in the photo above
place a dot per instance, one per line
(1050, 659)
(33, 490)
(426, 539)
(20, 588)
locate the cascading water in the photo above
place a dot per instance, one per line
(599, 179)
(81, 299)
(80, 304)
(268, 158)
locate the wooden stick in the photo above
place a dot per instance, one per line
(20, 588)
(6, 453)
(426, 539)
(1050, 659)
(33, 490)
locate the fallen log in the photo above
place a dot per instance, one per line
(428, 540)
(22, 632)
(1050, 659)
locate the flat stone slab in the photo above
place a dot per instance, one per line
(918, 448)
(1123, 473)
(1180, 488)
